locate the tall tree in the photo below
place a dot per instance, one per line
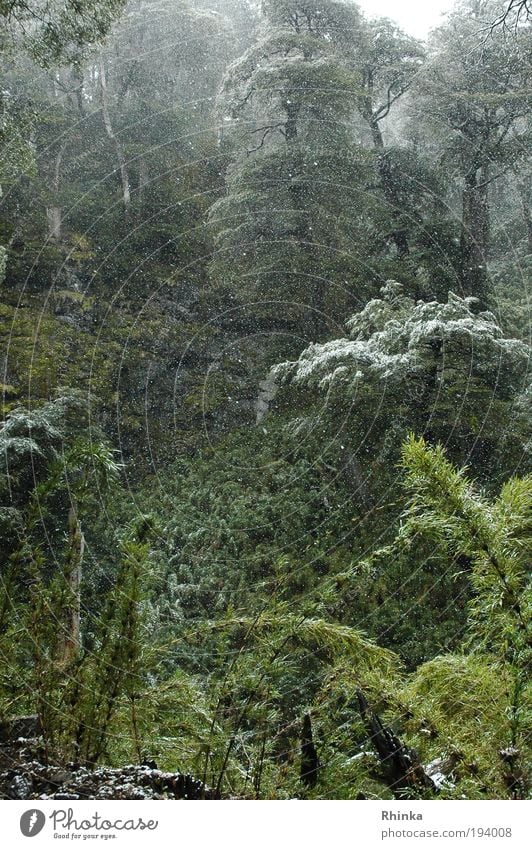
(292, 208)
(387, 63)
(50, 34)
(477, 90)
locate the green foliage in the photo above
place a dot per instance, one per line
(167, 721)
(289, 103)
(476, 88)
(113, 668)
(16, 153)
(236, 526)
(53, 481)
(491, 540)
(494, 540)
(55, 32)
(440, 369)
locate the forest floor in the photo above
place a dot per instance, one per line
(25, 774)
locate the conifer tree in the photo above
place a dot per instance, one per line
(432, 368)
(286, 229)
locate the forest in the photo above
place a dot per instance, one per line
(265, 466)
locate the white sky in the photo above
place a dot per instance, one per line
(416, 17)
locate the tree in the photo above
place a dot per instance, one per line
(56, 480)
(461, 718)
(52, 476)
(287, 106)
(157, 79)
(117, 140)
(387, 63)
(492, 540)
(444, 370)
(476, 88)
(513, 14)
(56, 32)
(50, 34)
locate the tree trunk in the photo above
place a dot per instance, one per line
(303, 233)
(399, 233)
(77, 80)
(524, 187)
(474, 242)
(54, 213)
(309, 755)
(376, 135)
(70, 635)
(389, 188)
(124, 177)
(292, 109)
(143, 180)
